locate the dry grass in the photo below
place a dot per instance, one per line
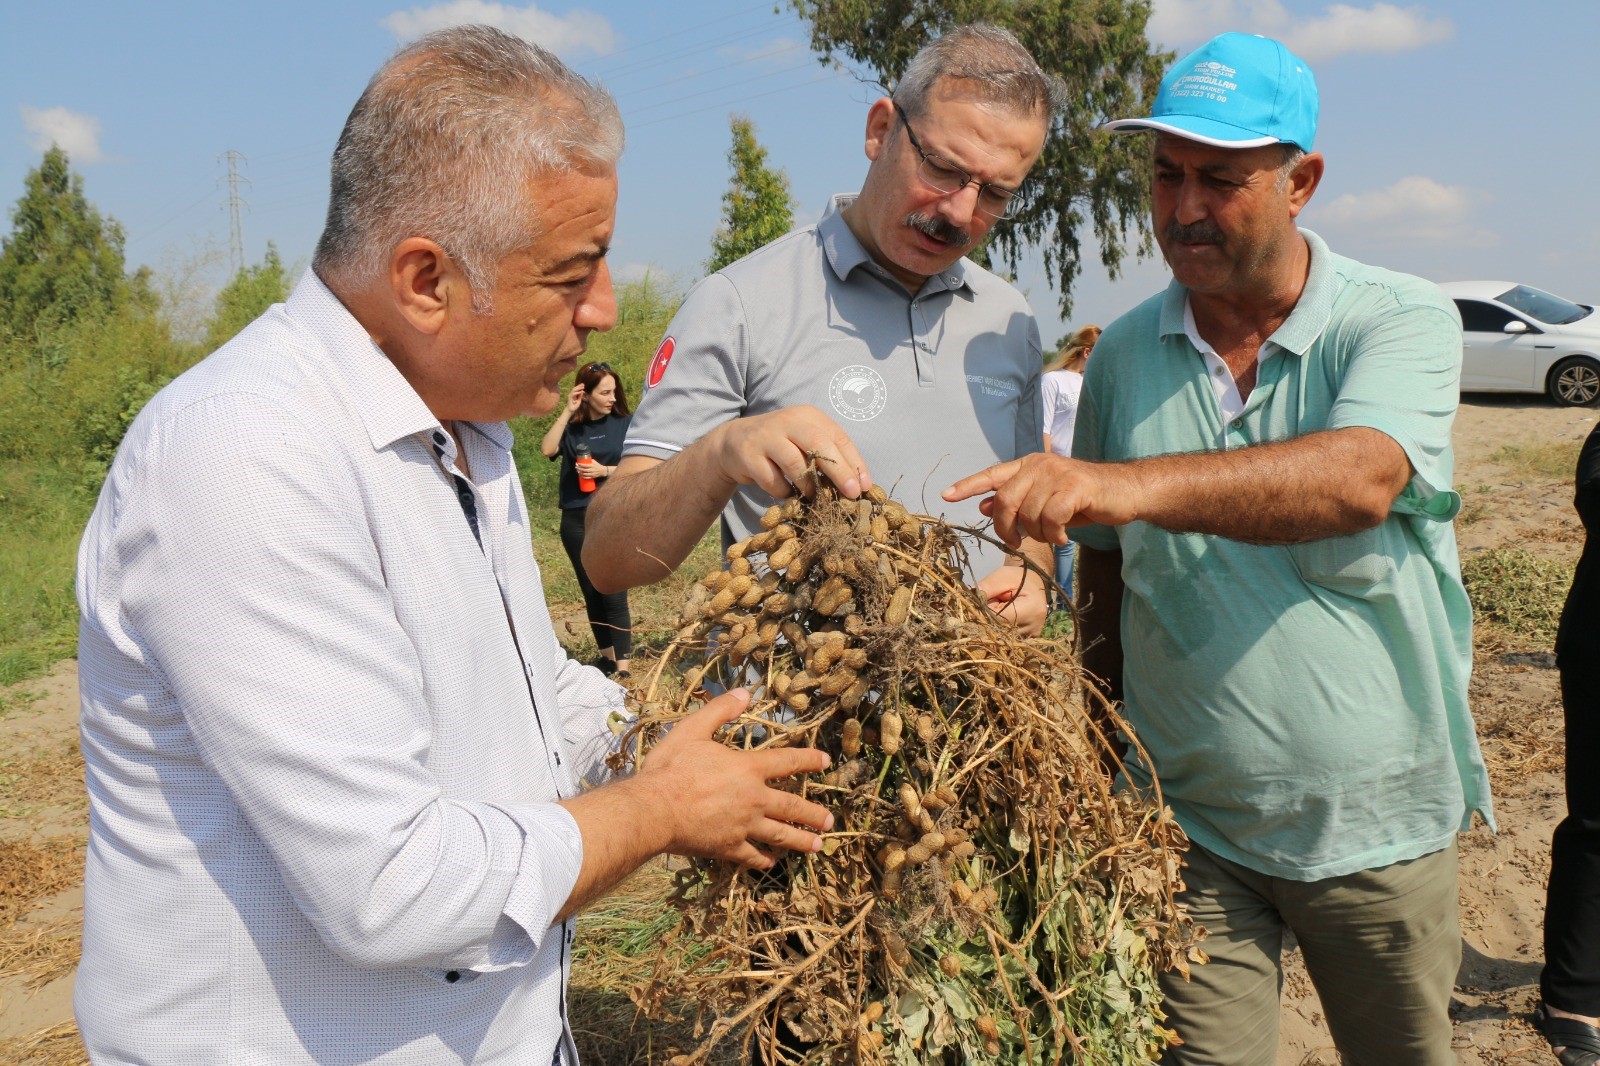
(654, 607)
(32, 871)
(614, 954)
(58, 1045)
(1555, 460)
(50, 779)
(15, 698)
(1516, 598)
(1566, 532)
(1517, 735)
(1473, 510)
(984, 895)
(41, 954)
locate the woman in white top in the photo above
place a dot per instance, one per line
(1061, 384)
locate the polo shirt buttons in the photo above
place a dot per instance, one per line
(1237, 423)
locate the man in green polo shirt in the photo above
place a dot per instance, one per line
(1261, 482)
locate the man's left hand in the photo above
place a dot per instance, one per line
(1017, 595)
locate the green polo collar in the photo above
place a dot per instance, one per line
(1305, 324)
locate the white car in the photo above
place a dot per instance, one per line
(1516, 338)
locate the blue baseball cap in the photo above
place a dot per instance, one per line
(1235, 91)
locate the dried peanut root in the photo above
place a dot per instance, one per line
(978, 844)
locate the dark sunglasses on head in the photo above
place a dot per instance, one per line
(595, 366)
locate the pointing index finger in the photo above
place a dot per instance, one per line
(987, 480)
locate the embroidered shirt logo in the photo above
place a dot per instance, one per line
(858, 393)
(989, 386)
(658, 364)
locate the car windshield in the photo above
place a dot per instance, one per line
(1541, 305)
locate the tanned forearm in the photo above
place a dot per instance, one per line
(693, 795)
(621, 831)
(1039, 554)
(1324, 484)
(646, 523)
(649, 516)
(1320, 485)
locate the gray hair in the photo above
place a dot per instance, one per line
(441, 145)
(990, 63)
(1292, 154)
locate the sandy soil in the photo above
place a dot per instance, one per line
(1515, 699)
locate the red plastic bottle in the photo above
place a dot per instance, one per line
(580, 453)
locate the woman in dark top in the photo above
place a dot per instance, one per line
(587, 438)
(1570, 984)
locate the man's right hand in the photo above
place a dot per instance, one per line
(695, 796)
(1043, 495)
(774, 451)
(653, 511)
(716, 800)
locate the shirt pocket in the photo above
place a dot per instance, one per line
(1352, 564)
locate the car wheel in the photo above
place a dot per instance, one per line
(1575, 382)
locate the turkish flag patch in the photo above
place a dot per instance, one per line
(658, 364)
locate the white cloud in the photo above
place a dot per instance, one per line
(1342, 29)
(1350, 30)
(1415, 208)
(1184, 24)
(566, 35)
(78, 134)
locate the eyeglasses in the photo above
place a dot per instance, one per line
(595, 366)
(945, 177)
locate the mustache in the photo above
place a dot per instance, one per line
(939, 229)
(1206, 232)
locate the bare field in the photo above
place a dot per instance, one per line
(1514, 469)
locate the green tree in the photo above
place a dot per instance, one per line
(252, 290)
(1098, 47)
(757, 207)
(62, 261)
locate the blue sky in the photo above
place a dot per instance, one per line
(1460, 135)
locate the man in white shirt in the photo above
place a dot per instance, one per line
(334, 751)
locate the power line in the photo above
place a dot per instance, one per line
(830, 76)
(647, 55)
(233, 203)
(763, 6)
(718, 89)
(711, 44)
(168, 211)
(642, 63)
(749, 60)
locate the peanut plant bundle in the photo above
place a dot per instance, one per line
(985, 895)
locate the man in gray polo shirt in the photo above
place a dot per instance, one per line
(866, 339)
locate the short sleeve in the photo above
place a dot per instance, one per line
(696, 381)
(1404, 380)
(1049, 394)
(1031, 422)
